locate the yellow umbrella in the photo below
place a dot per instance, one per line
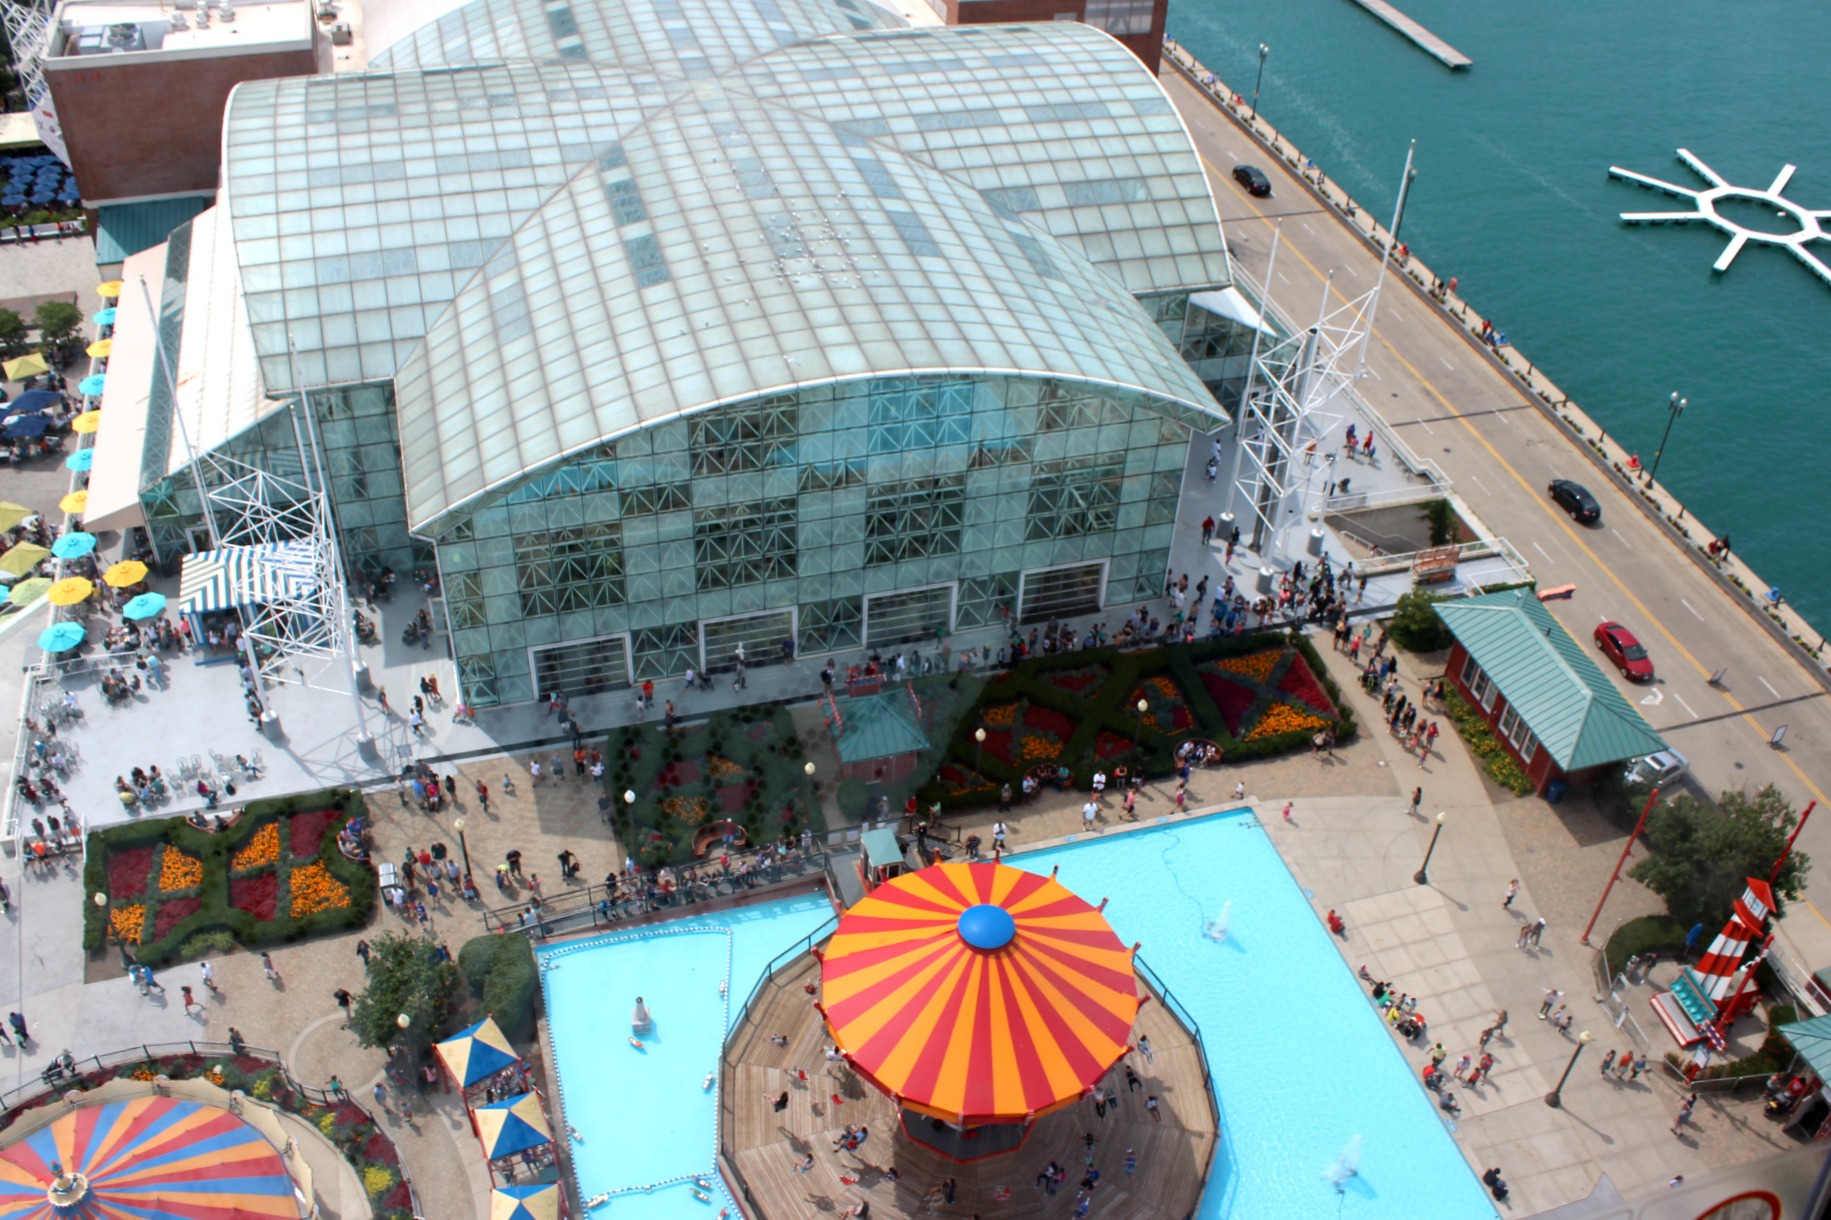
(127, 572)
(12, 514)
(75, 502)
(22, 558)
(538, 1201)
(110, 289)
(88, 421)
(25, 366)
(100, 348)
(69, 591)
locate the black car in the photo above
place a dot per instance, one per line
(1574, 498)
(1253, 179)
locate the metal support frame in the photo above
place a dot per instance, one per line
(28, 33)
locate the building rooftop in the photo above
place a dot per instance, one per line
(100, 32)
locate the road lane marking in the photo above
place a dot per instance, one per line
(1447, 364)
(1541, 550)
(1306, 227)
(1694, 614)
(1284, 277)
(1770, 687)
(1476, 479)
(1427, 427)
(1683, 704)
(1375, 372)
(1617, 533)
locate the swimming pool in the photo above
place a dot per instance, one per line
(645, 1116)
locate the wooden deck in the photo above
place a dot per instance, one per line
(1432, 45)
(1173, 1154)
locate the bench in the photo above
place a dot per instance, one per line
(1435, 565)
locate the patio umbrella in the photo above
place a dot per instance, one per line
(12, 514)
(29, 365)
(511, 1126)
(125, 574)
(104, 317)
(22, 558)
(88, 421)
(109, 290)
(143, 605)
(75, 502)
(537, 1202)
(101, 348)
(31, 400)
(33, 425)
(74, 545)
(27, 591)
(477, 1053)
(60, 637)
(69, 591)
(82, 459)
(92, 385)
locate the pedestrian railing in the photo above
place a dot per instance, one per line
(1215, 1109)
(781, 962)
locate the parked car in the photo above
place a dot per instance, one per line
(1574, 498)
(1254, 180)
(1663, 768)
(1626, 652)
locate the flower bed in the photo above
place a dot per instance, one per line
(127, 923)
(258, 895)
(1233, 700)
(1166, 710)
(733, 797)
(1283, 718)
(1301, 684)
(128, 873)
(172, 913)
(305, 832)
(1078, 681)
(314, 889)
(1110, 746)
(964, 781)
(178, 871)
(261, 850)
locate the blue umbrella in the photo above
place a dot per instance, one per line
(144, 605)
(73, 545)
(82, 459)
(104, 317)
(35, 424)
(92, 385)
(32, 400)
(62, 637)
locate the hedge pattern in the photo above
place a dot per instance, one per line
(276, 877)
(1079, 710)
(501, 974)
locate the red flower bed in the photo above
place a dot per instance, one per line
(1301, 684)
(399, 1199)
(1180, 718)
(171, 913)
(962, 780)
(1233, 699)
(380, 1149)
(1077, 681)
(258, 895)
(676, 775)
(998, 745)
(731, 797)
(1111, 745)
(128, 872)
(1049, 721)
(305, 832)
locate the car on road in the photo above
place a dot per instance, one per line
(1624, 651)
(1254, 180)
(1663, 768)
(1574, 498)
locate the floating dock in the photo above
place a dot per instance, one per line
(1432, 45)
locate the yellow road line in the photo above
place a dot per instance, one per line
(1542, 504)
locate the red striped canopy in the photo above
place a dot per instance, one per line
(978, 993)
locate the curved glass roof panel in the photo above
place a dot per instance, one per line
(734, 250)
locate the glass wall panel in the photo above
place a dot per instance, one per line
(585, 667)
(1062, 592)
(907, 616)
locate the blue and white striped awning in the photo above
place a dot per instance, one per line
(247, 575)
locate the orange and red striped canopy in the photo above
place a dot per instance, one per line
(978, 993)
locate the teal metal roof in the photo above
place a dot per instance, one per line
(1813, 1040)
(1549, 679)
(881, 848)
(128, 228)
(879, 726)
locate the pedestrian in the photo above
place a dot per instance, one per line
(1150, 1103)
(381, 1096)
(1538, 931)
(1144, 1048)
(1131, 1163)
(1684, 1112)
(1089, 812)
(513, 857)
(1131, 803)
(1287, 810)
(1417, 799)
(269, 969)
(534, 771)
(146, 979)
(343, 999)
(190, 1001)
(363, 950)
(1551, 997)
(209, 974)
(1512, 893)
(998, 835)
(1004, 798)
(1525, 932)
(20, 1034)
(1207, 529)
(1608, 1061)
(336, 1088)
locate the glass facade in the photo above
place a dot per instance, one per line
(789, 517)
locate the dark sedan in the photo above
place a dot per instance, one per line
(1254, 180)
(1574, 498)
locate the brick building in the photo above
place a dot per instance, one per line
(1136, 23)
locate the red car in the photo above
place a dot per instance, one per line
(1619, 646)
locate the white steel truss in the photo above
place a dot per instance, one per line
(28, 33)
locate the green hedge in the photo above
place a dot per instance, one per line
(215, 851)
(1639, 937)
(1500, 765)
(502, 975)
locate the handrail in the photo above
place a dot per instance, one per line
(1215, 1109)
(778, 963)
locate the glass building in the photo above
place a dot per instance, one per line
(663, 326)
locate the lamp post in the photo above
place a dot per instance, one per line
(1138, 729)
(1674, 408)
(1422, 876)
(1263, 52)
(978, 748)
(807, 769)
(403, 1020)
(463, 847)
(1555, 1098)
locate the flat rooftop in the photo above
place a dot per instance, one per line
(94, 30)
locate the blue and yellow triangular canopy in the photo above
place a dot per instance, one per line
(537, 1202)
(515, 1125)
(476, 1053)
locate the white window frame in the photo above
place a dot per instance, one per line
(1469, 670)
(1023, 582)
(794, 631)
(629, 657)
(953, 605)
(1527, 748)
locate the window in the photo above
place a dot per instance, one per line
(584, 667)
(557, 571)
(1485, 692)
(1509, 725)
(1061, 592)
(1469, 670)
(1528, 747)
(914, 518)
(726, 442)
(760, 634)
(744, 544)
(1074, 496)
(1120, 16)
(908, 616)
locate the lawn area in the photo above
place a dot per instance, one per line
(276, 875)
(1253, 696)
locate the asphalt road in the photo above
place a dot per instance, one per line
(1454, 407)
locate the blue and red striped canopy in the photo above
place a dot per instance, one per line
(978, 993)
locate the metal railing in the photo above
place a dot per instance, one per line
(1215, 1109)
(778, 964)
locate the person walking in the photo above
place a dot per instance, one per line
(21, 1035)
(1287, 810)
(1144, 1048)
(1512, 893)
(269, 969)
(363, 950)
(380, 1092)
(1684, 1112)
(1519, 942)
(1551, 997)
(998, 835)
(1089, 812)
(1538, 931)
(190, 1001)
(343, 999)
(209, 974)
(1417, 799)
(1608, 1061)
(1640, 1065)
(534, 771)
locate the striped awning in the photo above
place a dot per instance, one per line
(246, 576)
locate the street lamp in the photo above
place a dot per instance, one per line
(463, 847)
(978, 748)
(1138, 729)
(1555, 1098)
(403, 1020)
(1263, 52)
(100, 899)
(1674, 408)
(1422, 876)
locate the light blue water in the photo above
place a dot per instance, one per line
(1300, 1061)
(645, 1115)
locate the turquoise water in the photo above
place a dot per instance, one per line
(645, 1115)
(1512, 196)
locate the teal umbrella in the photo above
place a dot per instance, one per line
(104, 317)
(144, 605)
(73, 545)
(92, 385)
(82, 459)
(62, 637)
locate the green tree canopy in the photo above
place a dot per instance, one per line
(406, 975)
(12, 334)
(1415, 625)
(57, 322)
(1703, 854)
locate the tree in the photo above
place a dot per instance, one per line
(407, 975)
(1440, 515)
(1703, 854)
(57, 322)
(504, 979)
(1415, 625)
(12, 334)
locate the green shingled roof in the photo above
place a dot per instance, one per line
(128, 228)
(879, 726)
(1549, 679)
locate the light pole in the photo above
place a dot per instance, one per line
(463, 847)
(1263, 52)
(978, 749)
(1555, 1098)
(1138, 730)
(629, 804)
(1674, 409)
(1422, 876)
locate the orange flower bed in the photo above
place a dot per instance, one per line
(723, 768)
(687, 810)
(314, 889)
(1255, 665)
(262, 850)
(1002, 716)
(1283, 718)
(1038, 749)
(178, 871)
(128, 923)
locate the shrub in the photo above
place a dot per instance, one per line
(1416, 625)
(501, 974)
(1501, 766)
(1639, 937)
(1703, 853)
